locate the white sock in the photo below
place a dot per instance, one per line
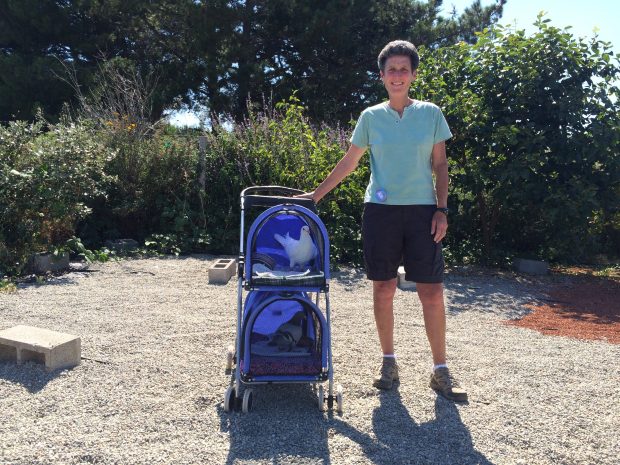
(389, 356)
(441, 365)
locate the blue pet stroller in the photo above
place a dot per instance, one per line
(282, 335)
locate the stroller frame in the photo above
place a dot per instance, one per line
(278, 198)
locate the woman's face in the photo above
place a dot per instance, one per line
(397, 75)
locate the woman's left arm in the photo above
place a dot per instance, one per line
(439, 163)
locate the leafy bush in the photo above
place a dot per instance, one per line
(164, 193)
(283, 148)
(47, 180)
(154, 190)
(535, 164)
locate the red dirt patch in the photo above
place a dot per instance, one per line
(583, 308)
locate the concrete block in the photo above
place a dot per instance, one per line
(53, 349)
(531, 266)
(46, 262)
(222, 270)
(402, 282)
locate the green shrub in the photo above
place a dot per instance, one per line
(535, 158)
(47, 180)
(281, 148)
(162, 192)
(153, 190)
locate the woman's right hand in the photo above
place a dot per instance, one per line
(307, 195)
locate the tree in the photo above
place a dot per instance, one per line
(535, 163)
(326, 50)
(38, 38)
(26, 63)
(220, 53)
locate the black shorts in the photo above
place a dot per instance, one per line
(395, 234)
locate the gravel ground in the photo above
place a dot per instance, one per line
(151, 384)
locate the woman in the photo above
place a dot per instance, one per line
(405, 212)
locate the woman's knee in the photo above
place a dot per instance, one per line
(430, 294)
(384, 289)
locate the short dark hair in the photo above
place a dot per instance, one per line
(399, 47)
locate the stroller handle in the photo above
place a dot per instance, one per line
(268, 196)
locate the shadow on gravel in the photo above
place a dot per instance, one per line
(349, 277)
(399, 439)
(499, 297)
(286, 427)
(30, 375)
(64, 280)
(451, 436)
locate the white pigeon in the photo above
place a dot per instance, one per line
(301, 251)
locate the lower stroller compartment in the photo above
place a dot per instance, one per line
(284, 337)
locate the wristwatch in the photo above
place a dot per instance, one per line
(443, 210)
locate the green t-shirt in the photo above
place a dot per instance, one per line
(400, 151)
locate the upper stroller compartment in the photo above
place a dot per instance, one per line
(287, 246)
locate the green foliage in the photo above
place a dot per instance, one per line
(282, 148)
(75, 247)
(535, 166)
(326, 50)
(164, 193)
(7, 286)
(153, 190)
(37, 37)
(163, 244)
(47, 180)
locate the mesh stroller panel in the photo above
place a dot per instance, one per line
(282, 335)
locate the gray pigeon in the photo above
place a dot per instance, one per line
(301, 251)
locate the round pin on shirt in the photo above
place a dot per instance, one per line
(381, 195)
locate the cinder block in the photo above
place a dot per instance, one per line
(53, 349)
(402, 282)
(531, 266)
(222, 270)
(47, 262)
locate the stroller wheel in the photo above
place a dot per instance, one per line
(229, 399)
(230, 357)
(321, 398)
(248, 397)
(339, 399)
